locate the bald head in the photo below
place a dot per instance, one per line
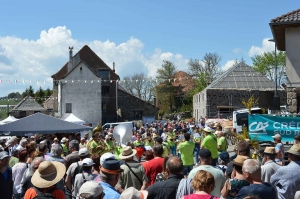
(175, 165)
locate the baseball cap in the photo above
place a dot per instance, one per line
(90, 189)
(3, 155)
(83, 152)
(106, 156)
(133, 193)
(224, 155)
(205, 153)
(87, 162)
(277, 136)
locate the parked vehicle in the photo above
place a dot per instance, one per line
(240, 118)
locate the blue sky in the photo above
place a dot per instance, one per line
(137, 35)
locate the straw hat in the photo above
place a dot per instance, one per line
(239, 160)
(55, 139)
(295, 149)
(48, 174)
(64, 140)
(270, 150)
(127, 152)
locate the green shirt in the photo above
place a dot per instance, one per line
(197, 139)
(187, 152)
(65, 149)
(166, 149)
(110, 146)
(210, 143)
(13, 160)
(222, 142)
(118, 151)
(136, 143)
(147, 143)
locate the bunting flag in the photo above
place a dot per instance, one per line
(3, 81)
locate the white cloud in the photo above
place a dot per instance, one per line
(229, 64)
(267, 46)
(23, 59)
(237, 51)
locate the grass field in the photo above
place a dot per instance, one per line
(10, 102)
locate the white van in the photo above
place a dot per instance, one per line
(240, 118)
(109, 125)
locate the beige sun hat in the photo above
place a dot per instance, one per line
(239, 160)
(127, 152)
(48, 174)
(295, 149)
(270, 150)
(133, 193)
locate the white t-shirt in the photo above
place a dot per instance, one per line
(17, 175)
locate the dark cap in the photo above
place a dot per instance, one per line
(111, 166)
(224, 155)
(74, 143)
(205, 153)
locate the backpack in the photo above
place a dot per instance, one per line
(42, 195)
(77, 170)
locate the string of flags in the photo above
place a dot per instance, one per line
(111, 81)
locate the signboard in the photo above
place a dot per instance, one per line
(265, 126)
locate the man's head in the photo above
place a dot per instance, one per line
(83, 153)
(207, 130)
(4, 159)
(158, 150)
(277, 138)
(294, 153)
(223, 158)
(219, 134)
(74, 146)
(158, 140)
(56, 150)
(110, 171)
(23, 155)
(91, 190)
(174, 165)
(243, 148)
(205, 157)
(297, 139)
(187, 136)
(23, 143)
(252, 171)
(269, 153)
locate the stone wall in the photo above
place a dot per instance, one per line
(291, 100)
(207, 101)
(133, 108)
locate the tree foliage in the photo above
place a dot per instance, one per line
(140, 86)
(40, 95)
(208, 65)
(166, 92)
(28, 91)
(265, 64)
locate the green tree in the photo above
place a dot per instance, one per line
(48, 92)
(165, 90)
(265, 64)
(28, 91)
(40, 95)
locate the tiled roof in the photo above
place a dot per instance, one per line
(242, 76)
(185, 80)
(88, 56)
(289, 17)
(28, 104)
(48, 104)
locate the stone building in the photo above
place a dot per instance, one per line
(86, 87)
(225, 94)
(286, 34)
(27, 106)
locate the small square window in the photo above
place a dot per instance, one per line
(104, 74)
(105, 90)
(68, 107)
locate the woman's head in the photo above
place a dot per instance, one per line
(203, 181)
(23, 155)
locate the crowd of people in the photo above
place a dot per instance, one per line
(162, 161)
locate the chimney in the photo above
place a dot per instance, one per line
(70, 64)
(154, 101)
(114, 67)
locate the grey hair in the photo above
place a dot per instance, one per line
(22, 142)
(56, 150)
(107, 177)
(31, 168)
(253, 167)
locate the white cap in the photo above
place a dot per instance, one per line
(92, 188)
(207, 129)
(277, 136)
(148, 148)
(106, 156)
(83, 152)
(87, 162)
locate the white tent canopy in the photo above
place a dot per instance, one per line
(72, 118)
(9, 119)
